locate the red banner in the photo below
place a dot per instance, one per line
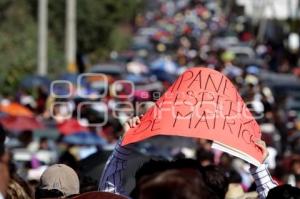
(202, 103)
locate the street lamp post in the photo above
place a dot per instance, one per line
(42, 37)
(71, 35)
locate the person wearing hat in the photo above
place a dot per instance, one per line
(58, 181)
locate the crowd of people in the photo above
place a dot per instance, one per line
(62, 139)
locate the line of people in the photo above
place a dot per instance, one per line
(155, 179)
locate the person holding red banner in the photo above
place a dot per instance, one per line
(112, 176)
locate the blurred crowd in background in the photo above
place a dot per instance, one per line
(77, 119)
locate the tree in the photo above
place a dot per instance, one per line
(98, 26)
(18, 45)
(98, 23)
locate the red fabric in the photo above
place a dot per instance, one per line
(16, 109)
(71, 126)
(20, 123)
(201, 103)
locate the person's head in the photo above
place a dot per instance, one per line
(26, 137)
(205, 158)
(234, 177)
(204, 144)
(215, 178)
(295, 166)
(174, 184)
(58, 180)
(226, 161)
(284, 192)
(68, 158)
(156, 166)
(44, 143)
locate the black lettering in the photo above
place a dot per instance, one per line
(239, 111)
(184, 116)
(225, 87)
(239, 134)
(248, 122)
(190, 102)
(218, 108)
(215, 118)
(230, 108)
(210, 79)
(247, 140)
(155, 121)
(143, 126)
(196, 79)
(180, 80)
(160, 103)
(205, 120)
(228, 123)
(176, 99)
(203, 98)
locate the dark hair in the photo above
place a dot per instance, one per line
(284, 192)
(234, 176)
(205, 156)
(174, 184)
(45, 193)
(212, 176)
(158, 166)
(25, 137)
(68, 159)
(87, 184)
(215, 178)
(43, 139)
(2, 140)
(154, 166)
(2, 149)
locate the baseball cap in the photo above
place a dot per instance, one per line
(60, 177)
